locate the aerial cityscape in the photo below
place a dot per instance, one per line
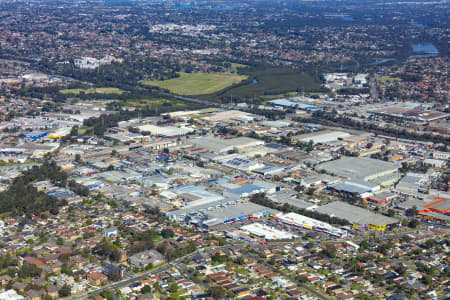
(211, 149)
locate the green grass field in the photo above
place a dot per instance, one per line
(389, 79)
(198, 83)
(105, 90)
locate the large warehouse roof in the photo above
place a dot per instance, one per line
(303, 221)
(204, 196)
(228, 115)
(220, 145)
(244, 209)
(354, 214)
(358, 168)
(267, 232)
(322, 137)
(166, 131)
(355, 186)
(292, 103)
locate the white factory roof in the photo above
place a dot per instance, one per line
(267, 232)
(322, 136)
(167, 131)
(220, 145)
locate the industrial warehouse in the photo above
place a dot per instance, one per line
(248, 150)
(267, 232)
(311, 224)
(357, 216)
(356, 187)
(438, 209)
(321, 137)
(220, 145)
(361, 168)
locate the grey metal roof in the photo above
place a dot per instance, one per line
(354, 214)
(358, 167)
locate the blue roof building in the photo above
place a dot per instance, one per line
(34, 135)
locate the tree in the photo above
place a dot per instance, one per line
(114, 274)
(222, 242)
(302, 278)
(173, 288)
(405, 222)
(391, 212)
(309, 245)
(109, 295)
(240, 260)
(217, 257)
(21, 197)
(413, 223)
(146, 289)
(427, 279)
(217, 292)
(430, 243)
(190, 248)
(385, 247)
(167, 233)
(142, 241)
(329, 251)
(65, 291)
(29, 270)
(400, 269)
(157, 287)
(363, 245)
(406, 238)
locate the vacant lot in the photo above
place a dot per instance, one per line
(198, 83)
(92, 91)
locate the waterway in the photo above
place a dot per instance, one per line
(427, 50)
(381, 61)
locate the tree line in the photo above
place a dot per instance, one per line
(21, 197)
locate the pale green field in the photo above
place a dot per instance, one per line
(197, 83)
(92, 91)
(389, 79)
